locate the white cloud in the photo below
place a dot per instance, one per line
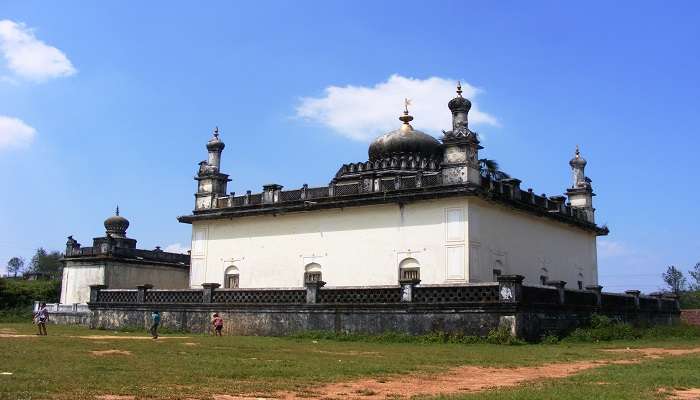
(611, 248)
(15, 133)
(176, 248)
(363, 113)
(29, 57)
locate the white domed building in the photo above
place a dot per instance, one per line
(418, 208)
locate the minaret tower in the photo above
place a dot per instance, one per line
(461, 146)
(581, 193)
(211, 182)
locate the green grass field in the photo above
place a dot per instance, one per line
(62, 365)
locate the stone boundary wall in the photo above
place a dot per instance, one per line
(691, 317)
(472, 309)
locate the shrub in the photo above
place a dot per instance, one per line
(603, 328)
(502, 336)
(16, 293)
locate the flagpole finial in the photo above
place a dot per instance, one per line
(459, 88)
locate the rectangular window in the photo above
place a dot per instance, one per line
(580, 285)
(199, 238)
(455, 262)
(454, 224)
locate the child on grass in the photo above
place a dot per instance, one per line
(155, 322)
(218, 323)
(41, 317)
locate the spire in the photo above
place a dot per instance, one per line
(406, 118)
(117, 211)
(459, 106)
(578, 166)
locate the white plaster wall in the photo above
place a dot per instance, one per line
(454, 240)
(354, 246)
(128, 276)
(524, 244)
(77, 278)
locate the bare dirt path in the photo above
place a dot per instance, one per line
(464, 379)
(682, 394)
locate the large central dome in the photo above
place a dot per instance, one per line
(404, 140)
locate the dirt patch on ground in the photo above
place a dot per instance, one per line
(655, 352)
(191, 344)
(466, 379)
(349, 353)
(11, 335)
(110, 353)
(105, 337)
(682, 394)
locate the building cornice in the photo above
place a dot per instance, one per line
(561, 213)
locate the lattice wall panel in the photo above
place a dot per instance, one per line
(384, 295)
(456, 294)
(260, 296)
(121, 296)
(174, 296)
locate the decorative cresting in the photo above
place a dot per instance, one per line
(404, 141)
(460, 160)
(116, 225)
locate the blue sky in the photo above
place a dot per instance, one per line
(119, 113)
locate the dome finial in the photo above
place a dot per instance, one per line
(578, 153)
(406, 118)
(117, 211)
(459, 88)
(216, 132)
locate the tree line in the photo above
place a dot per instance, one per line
(43, 262)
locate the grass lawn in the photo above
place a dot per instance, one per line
(62, 365)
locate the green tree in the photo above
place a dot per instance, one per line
(695, 275)
(47, 263)
(15, 265)
(491, 169)
(674, 279)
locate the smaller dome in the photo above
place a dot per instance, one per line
(459, 103)
(578, 161)
(116, 225)
(215, 144)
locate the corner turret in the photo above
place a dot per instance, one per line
(211, 182)
(580, 193)
(461, 147)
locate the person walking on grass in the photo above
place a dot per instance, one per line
(41, 317)
(218, 323)
(155, 322)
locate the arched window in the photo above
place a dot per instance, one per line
(231, 277)
(409, 269)
(580, 281)
(544, 276)
(312, 273)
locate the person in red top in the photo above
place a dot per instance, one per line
(218, 323)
